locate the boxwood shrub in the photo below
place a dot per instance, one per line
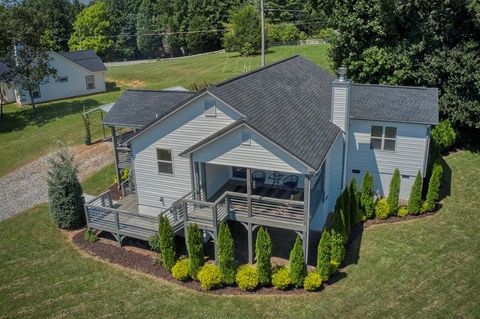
(180, 270)
(281, 278)
(247, 278)
(402, 211)
(210, 277)
(382, 209)
(312, 282)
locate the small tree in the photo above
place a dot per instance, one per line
(298, 268)
(244, 35)
(337, 253)
(394, 192)
(434, 186)
(323, 255)
(415, 200)
(226, 255)
(195, 250)
(65, 198)
(346, 210)
(263, 252)
(366, 198)
(443, 135)
(167, 243)
(338, 219)
(355, 211)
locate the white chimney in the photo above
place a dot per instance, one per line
(341, 99)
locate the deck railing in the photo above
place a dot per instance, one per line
(124, 157)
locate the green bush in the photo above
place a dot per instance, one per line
(298, 268)
(312, 282)
(90, 236)
(167, 243)
(434, 186)
(394, 192)
(323, 255)
(65, 195)
(263, 252)
(282, 32)
(244, 34)
(196, 257)
(337, 253)
(210, 277)
(381, 209)
(402, 212)
(154, 243)
(247, 278)
(355, 211)
(415, 199)
(338, 221)
(443, 135)
(180, 270)
(327, 34)
(366, 198)
(346, 210)
(423, 207)
(226, 255)
(281, 279)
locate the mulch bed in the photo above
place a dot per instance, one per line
(395, 219)
(145, 262)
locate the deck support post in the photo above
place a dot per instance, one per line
(306, 216)
(185, 218)
(250, 243)
(115, 153)
(192, 176)
(215, 232)
(117, 222)
(249, 212)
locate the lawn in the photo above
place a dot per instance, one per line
(100, 181)
(24, 137)
(426, 268)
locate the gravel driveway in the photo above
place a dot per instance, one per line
(27, 186)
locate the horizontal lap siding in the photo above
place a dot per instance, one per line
(178, 132)
(339, 106)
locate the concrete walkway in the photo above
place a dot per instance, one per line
(27, 186)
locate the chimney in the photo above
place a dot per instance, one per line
(341, 99)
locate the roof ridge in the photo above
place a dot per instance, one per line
(394, 86)
(163, 90)
(256, 70)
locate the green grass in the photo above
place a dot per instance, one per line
(426, 268)
(100, 181)
(24, 137)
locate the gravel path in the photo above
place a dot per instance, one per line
(27, 186)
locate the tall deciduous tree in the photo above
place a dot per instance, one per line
(148, 42)
(245, 31)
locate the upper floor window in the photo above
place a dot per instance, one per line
(210, 107)
(383, 138)
(165, 161)
(90, 80)
(63, 79)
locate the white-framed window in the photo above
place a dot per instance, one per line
(165, 161)
(383, 138)
(90, 81)
(246, 138)
(36, 94)
(210, 107)
(63, 79)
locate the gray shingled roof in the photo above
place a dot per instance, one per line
(86, 58)
(137, 108)
(394, 103)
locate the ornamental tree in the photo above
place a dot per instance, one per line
(415, 200)
(346, 210)
(196, 257)
(298, 268)
(394, 192)
(355, 211)
(337, 252)
(167, 243)
(434, 186)
(323, 255)
(226, 255)
(263, 254)
(366, 198)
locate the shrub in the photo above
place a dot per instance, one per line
(210, 277)
(338, 221)
(394, 192)
(443, 135)
(337, 252)
(154, 243)
(355, 211)
(327, 34)
(366, 198)
(434, 186)
(402, 212)
(167, 243)
(90, 236)
(282, 32)
(312, 282)
(195, 250)
(414, 202)
(346, 210)
(226, 255)
(381, 209)
(263, 251)
(323, 255)
(65, 195)
(247, 278)
(423, 207)
(180, 270)
(281, 279)
(298, 268)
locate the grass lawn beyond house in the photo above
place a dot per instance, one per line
(24, 137)
(426, 268)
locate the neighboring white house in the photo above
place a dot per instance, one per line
(288, 135)
(79, 73)
(7, 90)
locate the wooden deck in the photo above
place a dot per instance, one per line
(268, 190)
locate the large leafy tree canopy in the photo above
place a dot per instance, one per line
(430, 43)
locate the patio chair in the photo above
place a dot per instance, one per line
(290, 182)
(258, 179)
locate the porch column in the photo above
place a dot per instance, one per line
(115, 153)
(249, 212)
(203, 174)
(192, 176)
(306, 216)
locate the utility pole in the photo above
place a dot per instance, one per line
(262, 15)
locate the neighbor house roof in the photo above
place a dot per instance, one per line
(137, 108)
(85, 58)
(394, 103)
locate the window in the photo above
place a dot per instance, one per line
(246, 138)
(36, 93)
(64, 79)
(238, 172)
(165, 161)
(210, 107)
(90, 80)
(383, 138)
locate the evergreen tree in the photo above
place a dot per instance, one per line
(434, 186)
(356, 212)
(167, 243)
(226, 255)
(366, 198)
(394, 192)
(65, 198)
(337, 253)
(196, 257)
(148, 44)
(244, 35)
(263, 252)
(338, 219)
(323, 255)
(346, 210)
(298, 268)
(415, 199)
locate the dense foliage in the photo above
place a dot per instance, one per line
(247, 278)
(180, 270)
(366, 198)
(167, 243)
(226, 255)
(312, 282)
(90, 236)
(382, 209)
(346, 210)
(281, 278)
(298, 268)
(394, 192)
(415, 199)
(244, 33)
(263, 253)
(443, 135)
(323, 255)
(196, 257)
(337, 252)
(338, 220)
(434, 187)
(356, 214)
(210, 277)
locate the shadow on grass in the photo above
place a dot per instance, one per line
(353, 245)
(445, 185)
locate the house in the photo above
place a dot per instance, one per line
(79, 73)
(7, 90)
(271, 147)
